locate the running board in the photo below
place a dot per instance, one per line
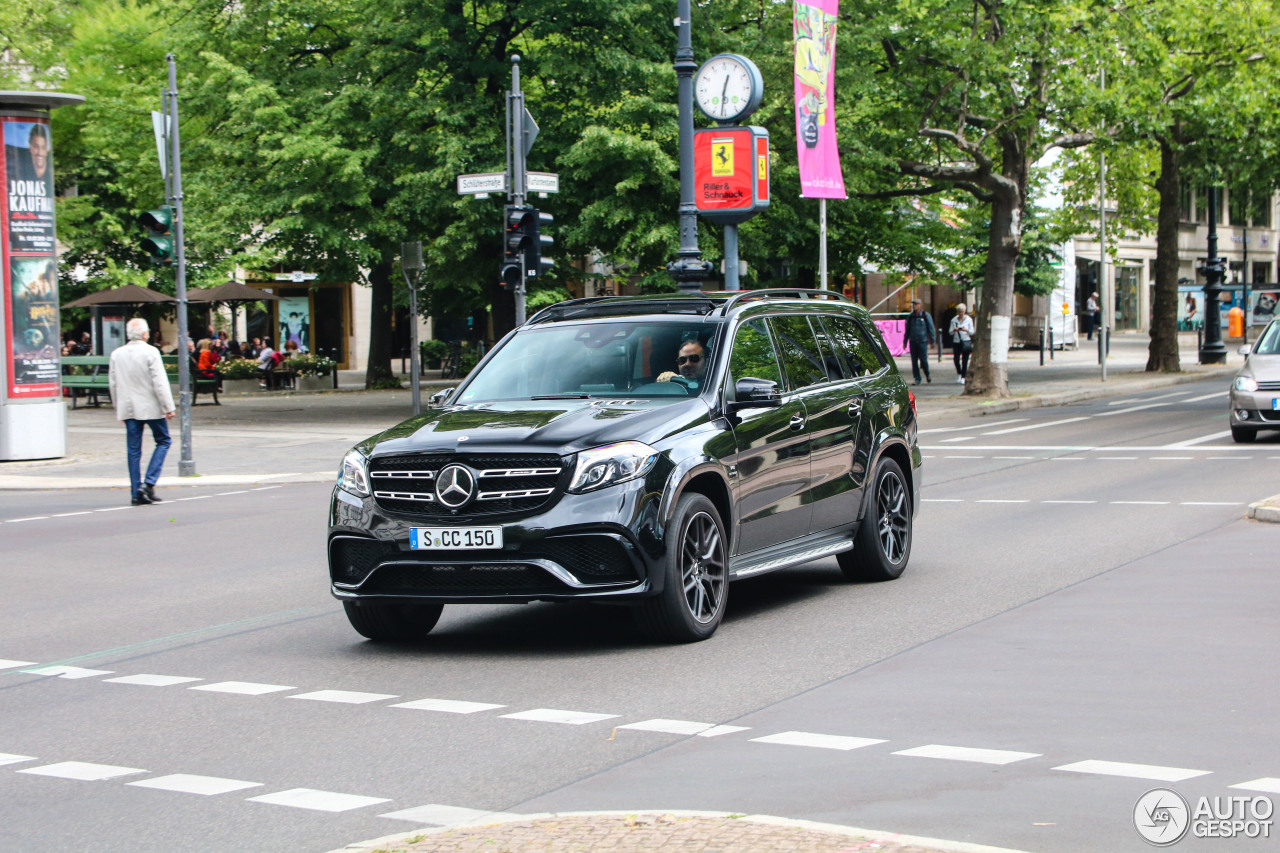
(791, 559)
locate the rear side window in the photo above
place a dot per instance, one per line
(854, 345)
(753, 354)
(801, 357)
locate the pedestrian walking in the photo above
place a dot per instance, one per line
(1094, 310)
(917, 336)
(140, 391)
(962, 331)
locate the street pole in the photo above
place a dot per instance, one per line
(1212, 350)
(1245, 246)
(186, 461)
(411, 266)
(688, 269)
(822, 244)
(731, 258)
(1104, 314)
(515, 107)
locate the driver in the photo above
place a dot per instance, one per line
(691, 362)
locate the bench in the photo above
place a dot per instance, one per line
(90, 374)
(199, 384)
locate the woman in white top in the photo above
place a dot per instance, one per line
(962, 331)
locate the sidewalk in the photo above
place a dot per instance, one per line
(284, 437)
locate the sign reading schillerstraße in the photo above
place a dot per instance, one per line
(489, 182)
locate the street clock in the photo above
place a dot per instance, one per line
(728, 88)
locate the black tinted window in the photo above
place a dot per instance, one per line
(753, 354)
(836, 367)
(852, 344)
(800, 355)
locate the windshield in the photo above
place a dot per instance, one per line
(615, 359)
(1269, 343)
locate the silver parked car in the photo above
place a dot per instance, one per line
(1255, 392)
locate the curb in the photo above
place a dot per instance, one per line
(1265, 510)
(873, 836)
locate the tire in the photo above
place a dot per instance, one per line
(696, 580)
(882, 545)
(1243, 435)
(392, 623)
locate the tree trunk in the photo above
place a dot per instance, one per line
(380, 311)
(1162, 354)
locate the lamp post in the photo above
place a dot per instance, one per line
(411, 266)
(1212, 350)
(688, 269)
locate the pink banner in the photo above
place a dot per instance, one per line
(893, 331)
(814, 29)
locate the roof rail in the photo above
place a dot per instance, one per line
(781, 293)
(586, 300)
(636, 304)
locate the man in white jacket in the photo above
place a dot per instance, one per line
(140, 391)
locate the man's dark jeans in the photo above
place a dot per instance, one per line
(919, 358)
(159, 432)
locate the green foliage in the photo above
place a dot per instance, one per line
(308, 364)
(237, 368)
(432, 350)
(385, 383)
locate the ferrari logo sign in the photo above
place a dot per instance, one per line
(722, 158)
(731, 173)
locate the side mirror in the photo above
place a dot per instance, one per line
(753, 393)
(439, 398)
(1245, 350)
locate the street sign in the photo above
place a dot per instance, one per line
(160, 124)
(543, 182)
(488, 182)
(297, 276)
(530, 131)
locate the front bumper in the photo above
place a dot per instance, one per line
(601, 545)
(1255, 409)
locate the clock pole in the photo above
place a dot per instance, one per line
(688, 269)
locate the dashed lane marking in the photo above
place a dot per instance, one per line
(29, 518)
(10, 758)
(185, 783)
(67, 671)
(966, 753)
(438, 815)
(1140, 503)
(147, 680)
(14, 664)
(448, 706)
(1267, 785)
(1112, 503)
(1153, 772)
(246, 688)
(552, 715)
(684, 727)
(818, 741)
(1157, 397)
(129, 506)
(69, 514)
(1205, 397)
(320, 801)
(975, 426)
(82, 771)
(1002, 501)
(346, 697)
(1035, 426)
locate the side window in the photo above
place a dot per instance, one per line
(801, 357)
(753, 354)
(852, 343)
(837, 369)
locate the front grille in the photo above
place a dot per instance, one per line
(503, 483)
(480, 579)
(1269, 416)
(1269, 386)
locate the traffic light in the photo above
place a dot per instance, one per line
(159, 242)
(514, 240)
(534, 262)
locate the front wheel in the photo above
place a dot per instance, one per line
(1243, 435)
(696, 576)
(882, 544)
(392, 623)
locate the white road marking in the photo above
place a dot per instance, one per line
(975, 426)
(963, 457)
(320, 801)
(437, 815)
(82, 771)
(1142, 503)
(1267, 785)
(1013, 457)
(247, 688)
(10, 758)
(1123, 458)
(552, 715)
(1069, 502)
(1227, 458)
(819, 741)
(1067, 459)
(153, 680)
(1001, 501)
(1135, 771)
(1130, 409)
(1212, 503)
(195, 498)
(69, 514)
(113, 508)
(184, 783)
(264, 488)
(68, 671)
(347, 697)
(1213, 436)
(241, 492)
(1205, 397)
(30, 518)
(1036, 426)
(448, 706)
(684, 727)
(966, 753)
(942, 500)
(1150, 399)
(11, 664)
(1171, 458)
(961, 438)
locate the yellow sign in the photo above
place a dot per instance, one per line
(762, 168)
(1065, 309)
(722, 158)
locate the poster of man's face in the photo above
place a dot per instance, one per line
(28, 172)
(1266, 304)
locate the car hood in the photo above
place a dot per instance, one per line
(1264, 368)
(549, 426)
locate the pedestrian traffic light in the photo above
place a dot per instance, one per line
(534, 262)
(159, 242)
(520, 233)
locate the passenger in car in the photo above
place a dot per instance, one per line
(691, 362)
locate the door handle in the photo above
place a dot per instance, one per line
(855, 408)
(797, 422)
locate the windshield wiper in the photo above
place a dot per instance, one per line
(561, 397)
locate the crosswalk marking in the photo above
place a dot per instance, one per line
(9, 758)
(448, 706)
(82, 771)
(1266, 785)
(438, 815)
(153, 680)
(246, 688)
(67, 671)
(14, 664)
(684, 727)
(818, 741)
(346, 697)
(184, 783)
(552, 715)
(1136, 771)
(320, 801)
(966, 753)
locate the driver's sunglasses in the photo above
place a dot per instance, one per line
(688, 359)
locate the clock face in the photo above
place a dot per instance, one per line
(726, 87)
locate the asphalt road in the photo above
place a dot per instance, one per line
(1081, 590)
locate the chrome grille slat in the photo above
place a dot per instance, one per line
(403, 475)
(520, 472)
(504, 483)
(522, 493)
(406, 496)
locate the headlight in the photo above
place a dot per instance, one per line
(1245, 383)
(613, 463)
(354, 474)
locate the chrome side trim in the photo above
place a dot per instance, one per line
(792, 560)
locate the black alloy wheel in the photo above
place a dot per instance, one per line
(696, 581)
(882, 545)
(392, 623)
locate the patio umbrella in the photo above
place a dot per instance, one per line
(130, 294)
(232, 291)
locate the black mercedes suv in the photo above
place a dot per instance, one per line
(636, 450)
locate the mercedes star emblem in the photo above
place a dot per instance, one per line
(454, 486)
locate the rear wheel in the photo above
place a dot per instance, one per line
(882, 544)
(696, 581)
(392, 622)
(1243, 435)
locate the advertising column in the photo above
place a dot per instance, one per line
(32, 415)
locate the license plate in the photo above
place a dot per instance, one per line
(1275, 404)
(455, 538)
